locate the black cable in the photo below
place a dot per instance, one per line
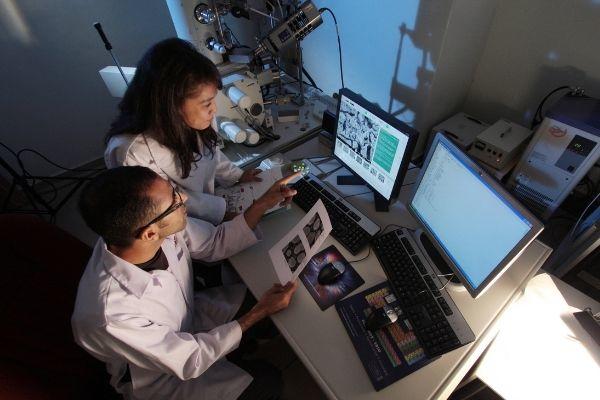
(36, 180)
(581, 216)
(387, 226)
(55, 164)
(538, 116)
(361, 259)
(292, 77)
(357, 194)
(378, 234)
(369, 191)
(260, 141)
(232, 34)
(310, 78)
(73, 182)
(338, 40)
(11, 151)
(274, 58)
(53, 190)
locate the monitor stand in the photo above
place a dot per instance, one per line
(381, 203)
(439, 263)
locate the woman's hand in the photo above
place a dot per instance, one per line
(251, 175)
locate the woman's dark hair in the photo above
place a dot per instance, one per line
(116, 203)
(168, 73)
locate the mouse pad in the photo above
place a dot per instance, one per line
(327, 295)
(389, 353)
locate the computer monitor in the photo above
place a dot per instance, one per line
(477, 227)
(372, 144)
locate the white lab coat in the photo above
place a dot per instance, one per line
(173, 340)
(199, 185)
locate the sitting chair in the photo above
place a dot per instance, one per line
(41, 266)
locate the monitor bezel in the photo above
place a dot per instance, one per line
(508, 260)
(389, 119)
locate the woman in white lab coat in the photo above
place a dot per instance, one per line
(167, 123)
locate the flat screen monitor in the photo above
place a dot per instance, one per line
(373, 144)
(477, 227)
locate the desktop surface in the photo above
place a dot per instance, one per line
(320, 339)
(291, 135)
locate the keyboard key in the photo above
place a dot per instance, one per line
(315, 184)
(408, 246)
(341, 205)
(445, 307)
(326, 193)
(419, 264)
(354, 216)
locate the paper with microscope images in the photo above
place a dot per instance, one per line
(241, 196)
(291, 254)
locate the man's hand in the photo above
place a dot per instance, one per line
(279, 193)
(275, 299)
(251, 175)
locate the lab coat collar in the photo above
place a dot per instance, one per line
(129, 275)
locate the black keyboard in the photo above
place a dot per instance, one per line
(421, 301)
(344, 223)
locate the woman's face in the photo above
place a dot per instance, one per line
(199, 108)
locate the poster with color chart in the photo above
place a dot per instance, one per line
(388, 354)
(291, 254)
(327, 295)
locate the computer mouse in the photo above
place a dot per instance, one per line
(331, 273)
(380, 318)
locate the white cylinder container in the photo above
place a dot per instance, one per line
(239, 98)
(252, 137)
(232, 132)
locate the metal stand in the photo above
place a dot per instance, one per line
(38, 204)
(299, 98)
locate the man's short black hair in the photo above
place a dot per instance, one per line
(116, 203)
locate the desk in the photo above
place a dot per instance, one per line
(319, 338)
(541, 350)
(292, 134)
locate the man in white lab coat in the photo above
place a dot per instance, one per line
(136, 309)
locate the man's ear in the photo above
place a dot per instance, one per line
(150, 233)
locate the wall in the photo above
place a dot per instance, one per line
(52, 97)
(415, 59)
(464, 42)
(535, 46)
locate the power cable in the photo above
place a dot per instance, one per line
(338, 40)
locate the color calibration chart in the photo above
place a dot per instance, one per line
(388, 354)
(393, 339)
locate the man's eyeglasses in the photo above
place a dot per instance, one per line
(174, 206)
